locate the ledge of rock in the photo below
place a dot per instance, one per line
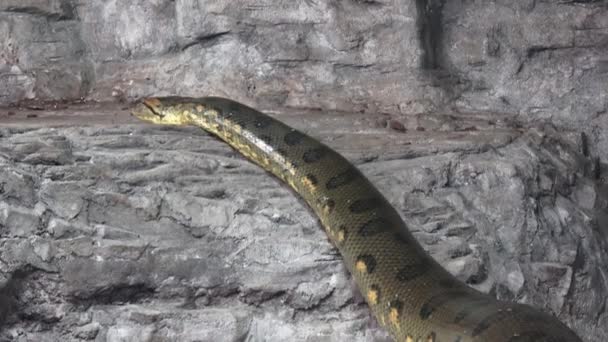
(114, 230)
(539, 60)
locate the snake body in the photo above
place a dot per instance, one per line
(409, 293)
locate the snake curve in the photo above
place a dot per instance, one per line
(409, 293)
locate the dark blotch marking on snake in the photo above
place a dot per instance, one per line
(363, 205)
(374, 226)
(281, 151)
(293, 138)
(342, 179)
(369, 261)
(328, 205)
(413, 271)
(311, 179)
(314, 155)
(396, 305)
(470, 307)
(440, 300)
(489, 321)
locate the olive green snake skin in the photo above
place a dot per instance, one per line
(409, 293)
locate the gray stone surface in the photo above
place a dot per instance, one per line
(540, 60)
(41, 53)
(133, 232)
(534, 60)
(114, 231)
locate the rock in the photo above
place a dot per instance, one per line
(169, 221)
(18, 222)
(53, 64)
(87, 331)
(59, 197)
(534, 61)
(155, 233)
(557, 279)
(15, 187)
(114, 50)
(538, 59)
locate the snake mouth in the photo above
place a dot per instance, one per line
(151, 105)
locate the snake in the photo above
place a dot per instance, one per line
(409, 293)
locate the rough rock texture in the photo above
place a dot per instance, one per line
(536, 60)
(542, 60)
(148, 233)
(125, 232)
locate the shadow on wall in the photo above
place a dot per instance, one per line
(8, 297)
(430, 32)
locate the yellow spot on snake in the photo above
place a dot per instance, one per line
(360, 264)
(200, 108)
(326, 226)
(237, 128)
(310, 184)
(409, 339)
(244, 148)
(372, 296)
(212, 113)
(291, 168)
(393, 316)
(341, 235)
(431, 337)
(328, 206)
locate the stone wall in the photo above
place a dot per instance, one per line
(144, 233)
(539, 60)
(533, 59)
(346, 55)
(112, 231)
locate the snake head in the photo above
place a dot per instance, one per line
(164, 110)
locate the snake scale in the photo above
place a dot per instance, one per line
(409, 293)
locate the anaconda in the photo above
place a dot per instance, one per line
(409, 293)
